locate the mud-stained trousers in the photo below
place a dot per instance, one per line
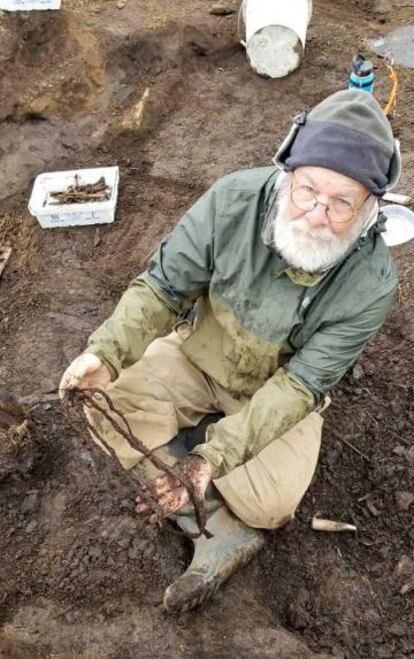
(164, 392)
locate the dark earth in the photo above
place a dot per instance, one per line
(81, 575)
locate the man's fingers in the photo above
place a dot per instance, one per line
(163, 484)
(75, 373)
(173, 501)
(70, 380)
(170, 494)
(170, 501)
(200, 487)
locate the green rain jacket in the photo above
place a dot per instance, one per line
(278, 336)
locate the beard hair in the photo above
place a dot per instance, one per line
(312, 249)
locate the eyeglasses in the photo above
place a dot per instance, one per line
(338, 210)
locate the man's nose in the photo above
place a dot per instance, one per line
(318, 216)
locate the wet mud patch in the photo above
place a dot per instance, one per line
(57, 64)
(56, 538)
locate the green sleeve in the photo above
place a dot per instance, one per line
(275, 408)
(178, 273)
(332, 350)
(140, 316)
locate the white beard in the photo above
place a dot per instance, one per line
(312, 249)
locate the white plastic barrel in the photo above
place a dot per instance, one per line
(275, 34)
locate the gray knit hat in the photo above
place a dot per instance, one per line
(348, 133)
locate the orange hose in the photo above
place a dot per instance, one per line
(392, 99)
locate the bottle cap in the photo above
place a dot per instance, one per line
(362, 67)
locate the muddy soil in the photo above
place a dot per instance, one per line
(165, 91)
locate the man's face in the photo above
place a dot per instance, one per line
(336, 212)
(332, 190)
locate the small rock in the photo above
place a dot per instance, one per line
(407, 588)
(404, 500)
(372, 509)
(31, 526)
(358, 372)
(42, 107)
(405, 567)
(121, 4)
(86, 457)
(223, 10)
(399, 450)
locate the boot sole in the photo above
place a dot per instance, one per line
(192, 589)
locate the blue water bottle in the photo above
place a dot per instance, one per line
(362, 74)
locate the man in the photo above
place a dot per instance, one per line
(290, 278)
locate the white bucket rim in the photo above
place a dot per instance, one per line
(260, 13)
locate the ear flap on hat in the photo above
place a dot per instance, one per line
(283, 151)
(394, 171)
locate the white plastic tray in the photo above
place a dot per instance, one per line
(29, 5)
(65, 215)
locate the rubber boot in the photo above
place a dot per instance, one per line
(215, 559)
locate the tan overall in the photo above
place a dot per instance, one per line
(164, 392)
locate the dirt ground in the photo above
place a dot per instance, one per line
(81, 575)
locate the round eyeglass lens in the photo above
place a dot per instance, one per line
(340, 210)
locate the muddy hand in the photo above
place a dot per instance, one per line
(171, 495)
(86, 371)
